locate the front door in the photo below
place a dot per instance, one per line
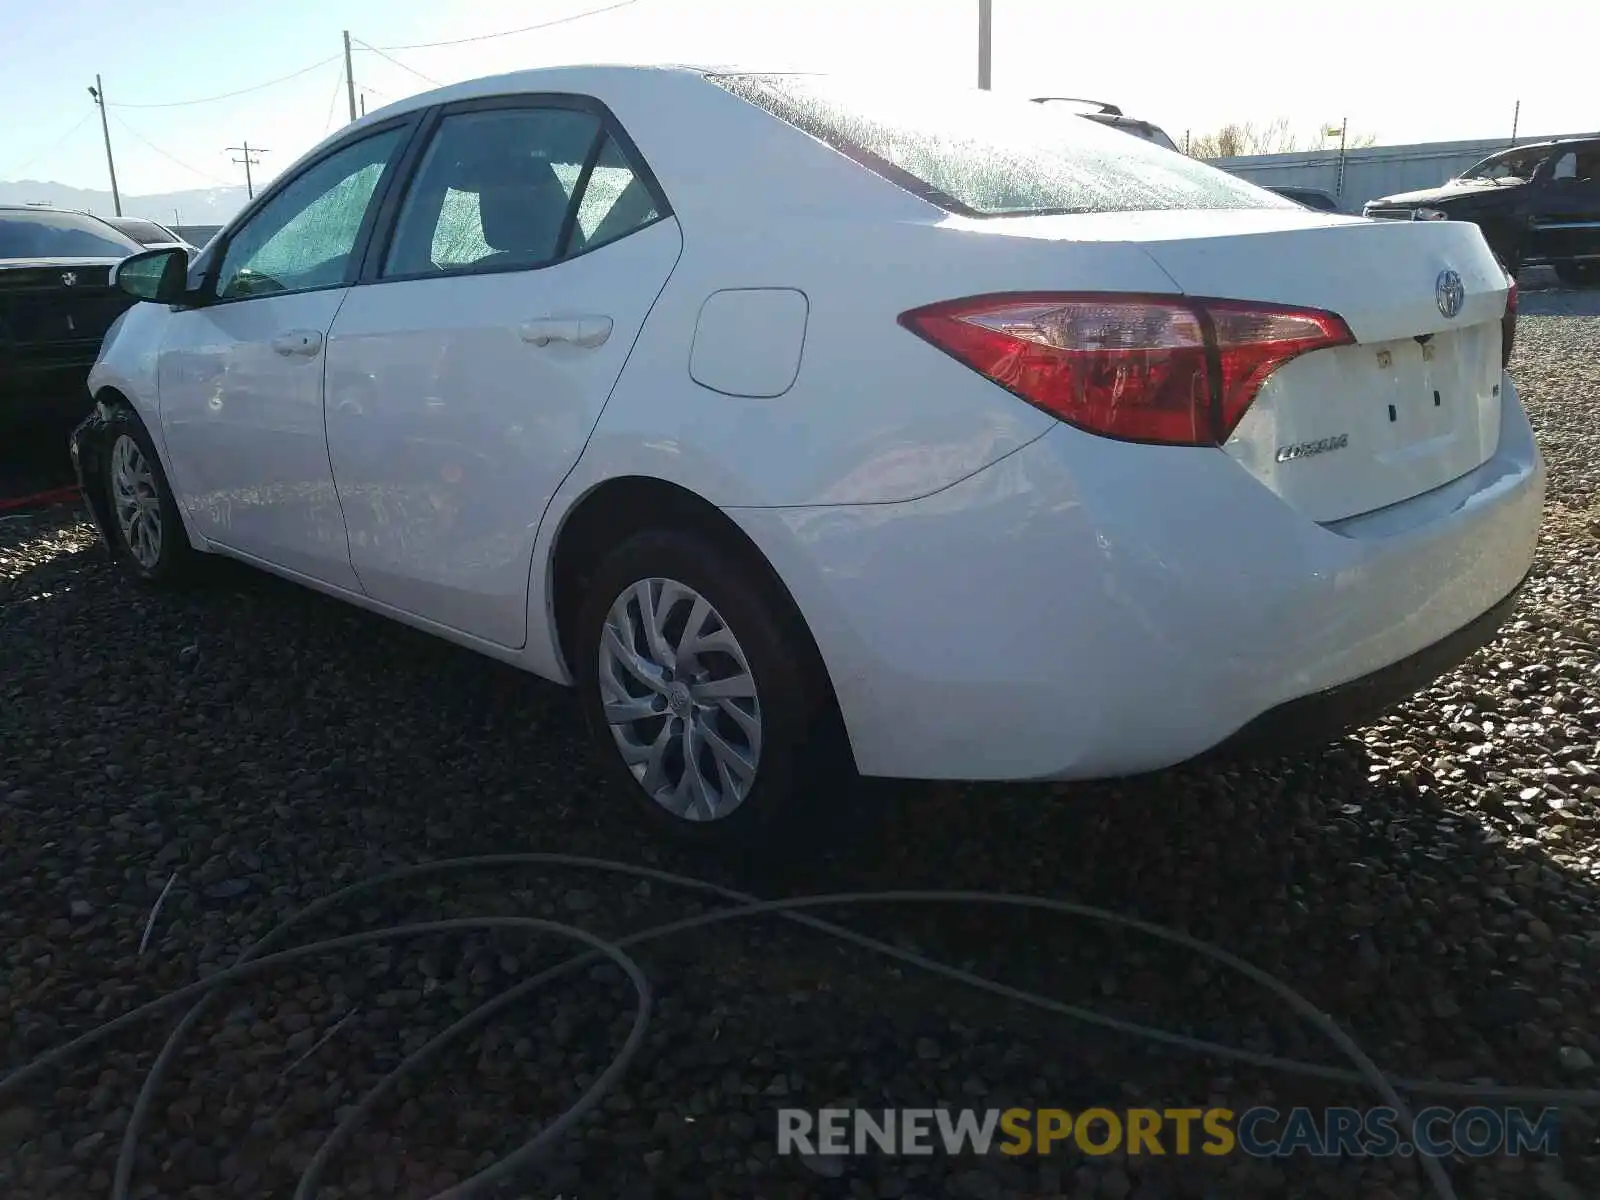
(241, 375)
(466, 377)
(1565, 223)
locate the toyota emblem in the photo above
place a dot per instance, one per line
(69, 279)
(1449, 292)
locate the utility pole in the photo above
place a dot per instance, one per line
(99, 93)
(1343, 130)
(1516, 114)
(363, 104)
(985, 26)
(349, 76)
(250, 153)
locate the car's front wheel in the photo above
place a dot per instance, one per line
(705, 696)
(1578, 274)
(148, 532)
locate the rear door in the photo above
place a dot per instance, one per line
(467, 373)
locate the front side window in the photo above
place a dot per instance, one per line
(980, 154)
(304, 237)
(1577, 166)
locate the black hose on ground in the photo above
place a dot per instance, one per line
(264, 957)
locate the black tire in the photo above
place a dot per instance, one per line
(802, 767)
(1576, 274)
(174, 560)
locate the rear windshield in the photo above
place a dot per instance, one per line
(59, 235)
(984, 155)
(146, 233)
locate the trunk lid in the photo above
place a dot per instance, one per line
(1414, 404)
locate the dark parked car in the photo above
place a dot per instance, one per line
(1308, 197)
(56, 303)
(149, 234)
(1110, 114)
(1538, 205)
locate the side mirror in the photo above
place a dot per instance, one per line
(159, 275)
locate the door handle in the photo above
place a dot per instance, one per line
(583, 332)
(302, 343)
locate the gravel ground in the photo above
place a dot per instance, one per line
(1433, 883)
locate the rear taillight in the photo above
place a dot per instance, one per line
(1508, 326)
(1174, 371)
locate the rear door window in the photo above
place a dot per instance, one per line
(984, 155)
(496, 190)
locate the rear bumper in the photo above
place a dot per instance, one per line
(1315, 720)
(1085, 608)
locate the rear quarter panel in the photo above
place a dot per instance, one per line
(875, 414)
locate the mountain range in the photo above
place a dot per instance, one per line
(198, 206)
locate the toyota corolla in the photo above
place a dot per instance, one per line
(811, 428)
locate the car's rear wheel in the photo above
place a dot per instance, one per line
(704, 696)
(1576, 274)
(147, 530)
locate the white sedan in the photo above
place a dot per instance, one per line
(811, 428)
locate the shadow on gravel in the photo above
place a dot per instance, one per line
(1430, 884)
(1543, 295)
(34, 459)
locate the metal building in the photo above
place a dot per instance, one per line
(1372, 171)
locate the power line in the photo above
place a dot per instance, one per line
(484, 37)
(242, 91)
(54, 143)
(166, 154)
(397, 62)
(338, 86)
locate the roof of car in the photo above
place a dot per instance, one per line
(578, 77)
(1582, 140)
(52, 210)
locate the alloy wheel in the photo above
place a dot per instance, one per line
(137, 502)
(680, 699)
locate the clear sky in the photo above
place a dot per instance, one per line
(1400, 69)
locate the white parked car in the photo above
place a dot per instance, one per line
(811, 428)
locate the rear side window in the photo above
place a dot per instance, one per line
(984, 155)
(615, 200)
(496, 190)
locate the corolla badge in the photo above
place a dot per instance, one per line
(69, 279)
(1449, 292)
(1307, 449)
